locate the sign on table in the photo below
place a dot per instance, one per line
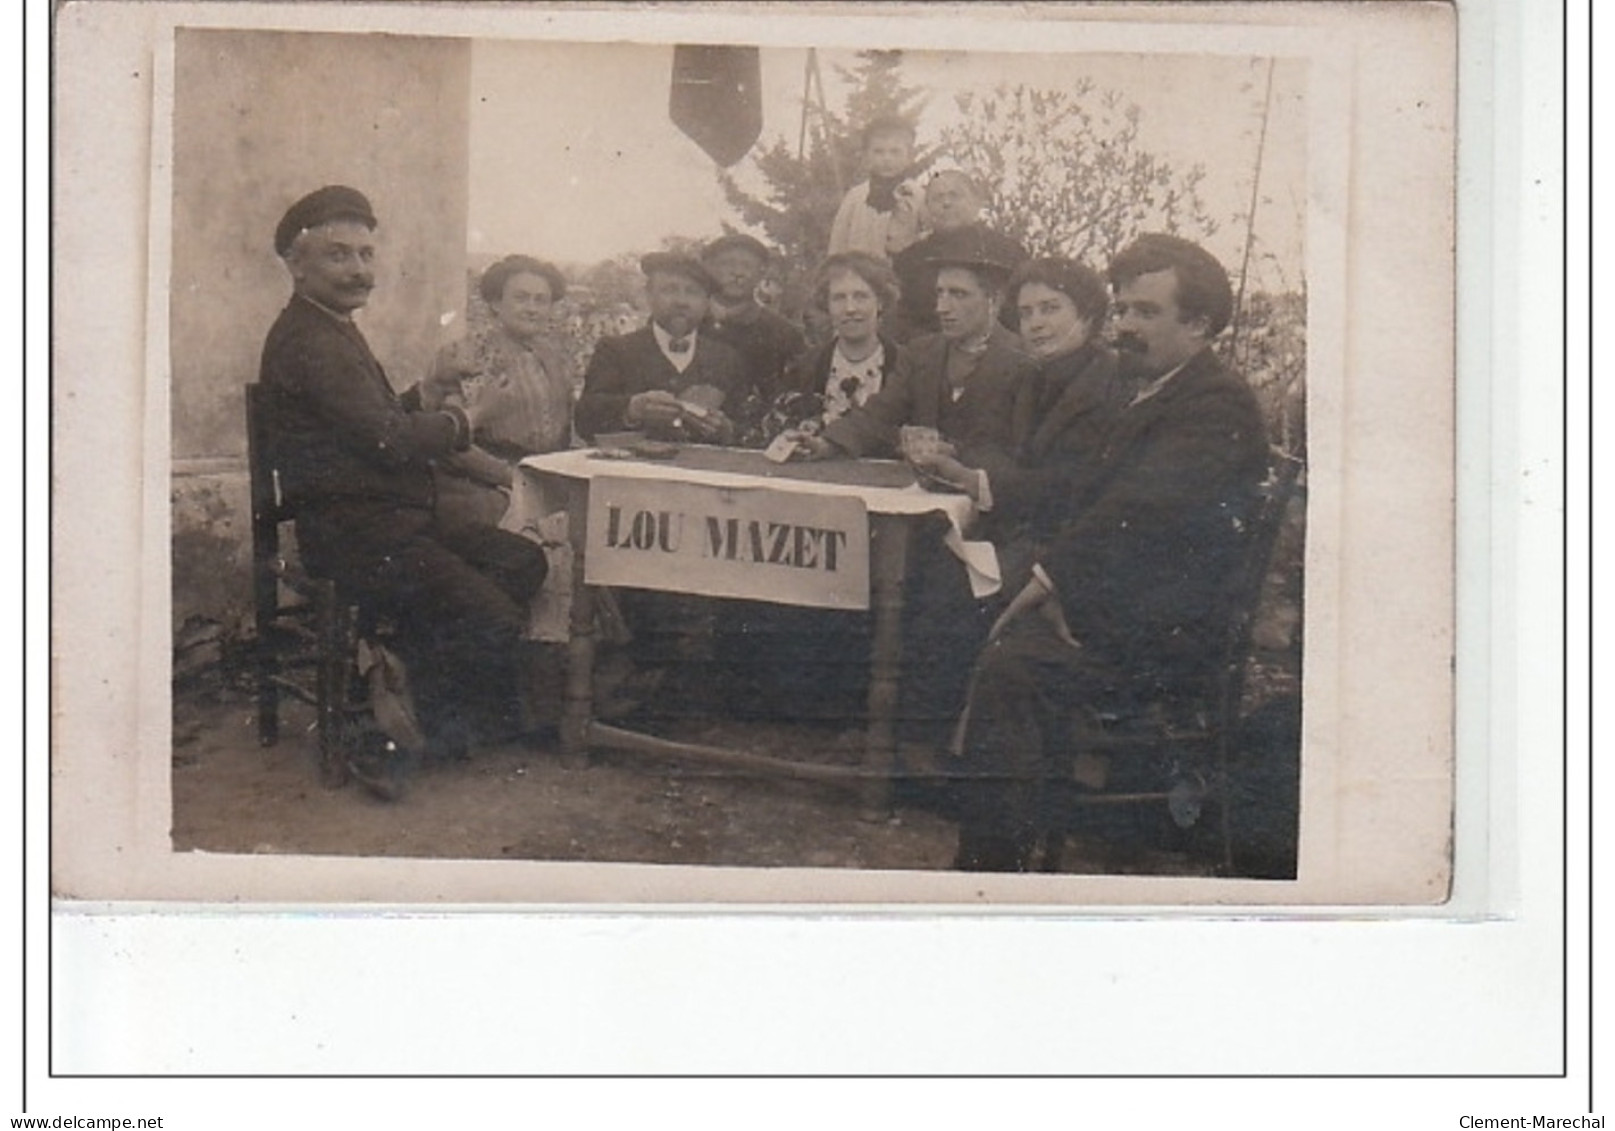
(781, 546)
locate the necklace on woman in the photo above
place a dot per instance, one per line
(873, 346)
(852, 380)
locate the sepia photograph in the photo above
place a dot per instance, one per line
(805, 540)
(801, 455)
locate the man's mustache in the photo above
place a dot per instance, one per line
(1130, 343)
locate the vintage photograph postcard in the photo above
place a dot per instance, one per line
(873, 456)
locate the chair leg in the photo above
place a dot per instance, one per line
(268, 702)
(266, 668)
(331, 691)
(1225, 837)
(1223, 794)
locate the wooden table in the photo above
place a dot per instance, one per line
(894, 504)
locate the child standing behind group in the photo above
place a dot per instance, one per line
(881, 216)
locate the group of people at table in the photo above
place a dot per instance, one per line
(1112, 459)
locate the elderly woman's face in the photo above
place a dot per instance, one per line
(951, 202)
(525, 307)
(1050, 324)
(853, 306)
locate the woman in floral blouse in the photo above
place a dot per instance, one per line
(788, 663)
(529, 379)
(854, 289)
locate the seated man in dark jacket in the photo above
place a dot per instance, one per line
(668, 379)
(674, 381)
(1126, 608)
(356, 460)
(765, 341)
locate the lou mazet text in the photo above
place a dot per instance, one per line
(756, 541)
(1488, 1122)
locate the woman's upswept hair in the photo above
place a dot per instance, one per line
(880, 277)
(492, 284)
(1081, 284)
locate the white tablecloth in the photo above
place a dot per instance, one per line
(531, 503)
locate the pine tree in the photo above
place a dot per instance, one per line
(802, 191)
(877, 90)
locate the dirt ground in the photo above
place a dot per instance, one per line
(518, 802)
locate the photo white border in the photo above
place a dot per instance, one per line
(1497, 975)
(1374, 836)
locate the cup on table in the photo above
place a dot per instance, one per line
(917, 441)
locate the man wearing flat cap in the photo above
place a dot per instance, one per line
(672, 381)
(766, 342)
(669, 379)
(356, 464)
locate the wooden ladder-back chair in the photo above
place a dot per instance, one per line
(305, 633)
(1192, 750)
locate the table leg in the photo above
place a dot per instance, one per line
(888, 567)
(578, 707)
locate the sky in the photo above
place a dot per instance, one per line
(573, 157)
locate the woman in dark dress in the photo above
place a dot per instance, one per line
(1062, 414)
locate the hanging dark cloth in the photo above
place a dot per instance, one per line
(717, 99)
